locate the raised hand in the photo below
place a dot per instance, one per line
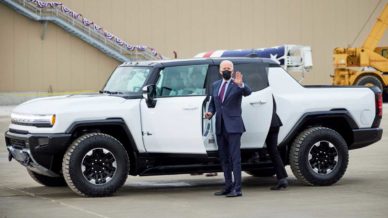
(239, 78)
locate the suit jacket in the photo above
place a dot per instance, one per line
(230, 110)
(275, 122)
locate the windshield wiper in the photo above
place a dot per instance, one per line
(110, 92)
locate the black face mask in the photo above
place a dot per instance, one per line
(226, 74)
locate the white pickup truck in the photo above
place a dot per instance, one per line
(148, 120)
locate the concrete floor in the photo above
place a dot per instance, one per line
(362, 192)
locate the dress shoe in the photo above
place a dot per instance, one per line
(234, 194)
(222, 192)
(282, 184)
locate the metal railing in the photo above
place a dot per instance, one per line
(83, 28)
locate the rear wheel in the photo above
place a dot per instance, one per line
(370, 81)
(319, 156)
(95, 164)
(47, 180)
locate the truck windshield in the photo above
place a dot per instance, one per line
(127, 80)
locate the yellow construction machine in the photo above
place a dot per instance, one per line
(366, 65)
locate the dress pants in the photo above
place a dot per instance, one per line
(230, 158)
(272, 148)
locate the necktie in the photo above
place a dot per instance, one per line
(222, 92)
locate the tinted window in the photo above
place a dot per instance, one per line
(212, 76)
(255, 75)
(182, 81)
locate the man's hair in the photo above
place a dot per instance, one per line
(226, 61)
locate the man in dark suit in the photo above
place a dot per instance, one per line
(226, 104)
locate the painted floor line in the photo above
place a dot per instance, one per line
(59, 202)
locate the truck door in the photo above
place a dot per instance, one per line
(174, 125)
(257, 107)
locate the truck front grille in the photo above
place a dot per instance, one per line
(17, 143)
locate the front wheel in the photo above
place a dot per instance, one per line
(319, 156)
(95, 165)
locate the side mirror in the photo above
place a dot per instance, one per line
(149, 93)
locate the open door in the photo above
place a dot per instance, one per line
(208, 130)
(174, 123)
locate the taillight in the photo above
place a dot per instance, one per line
(379, 105)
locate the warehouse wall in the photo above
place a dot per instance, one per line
(65, 63)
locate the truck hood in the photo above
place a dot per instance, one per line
(69, 104)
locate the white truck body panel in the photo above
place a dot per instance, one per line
(174, 125)
(294, 100)
(70, 109)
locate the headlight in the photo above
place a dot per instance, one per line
(43, 120)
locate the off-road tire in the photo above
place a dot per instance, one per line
(299, 154)
(72, 160)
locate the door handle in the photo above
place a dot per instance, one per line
(257, 102)
(190, 108)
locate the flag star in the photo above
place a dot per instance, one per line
(274, 58)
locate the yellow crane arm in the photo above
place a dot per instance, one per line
(378, 30)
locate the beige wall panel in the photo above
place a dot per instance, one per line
(271, 21)
(77, 68)
(37, 59)
(91, 70)
(261, 34)
(118, 19)
(144, 20)
(247, 17)
(22, 76)
(156, 29)
(51, 54)
(6, 49)
(206, 27)
(63, 73)
(197, 21)
(186, 26)
(232, 20)
(306, 23)
(322, 29)
(131, 21)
